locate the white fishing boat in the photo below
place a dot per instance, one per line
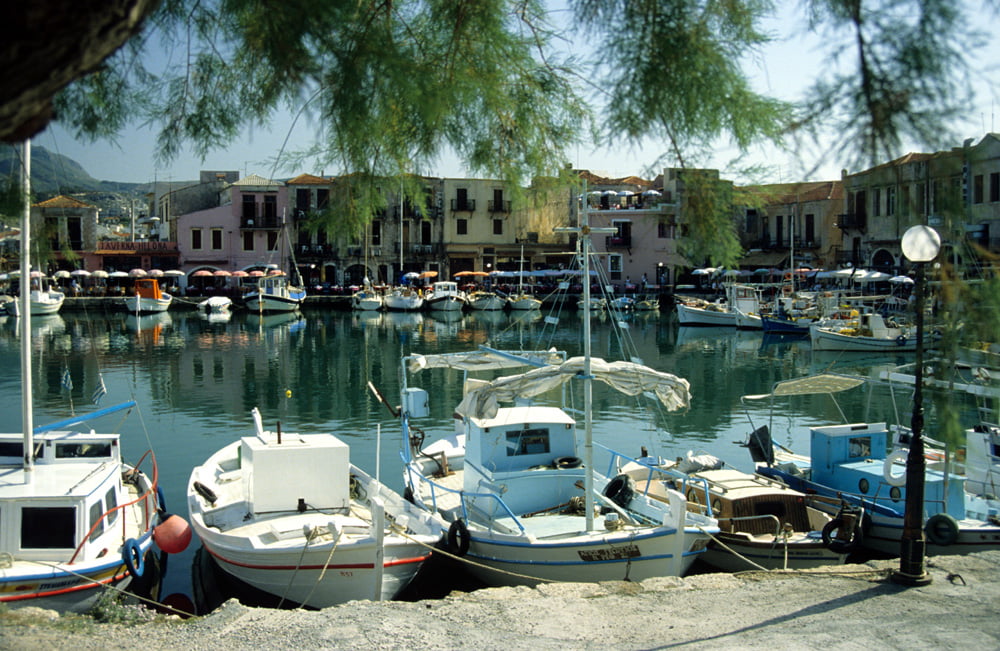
(366, 299)
(216, 305)
(522, 301)
(43, 300)
(74, 517)
(403, 299)
(445, 296)
(483, 301)
(699, 312)
(872, 333)
(522, 493)
(332, 535)
(147, 297)
(275, 294)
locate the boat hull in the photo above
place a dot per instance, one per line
(257, 303)
(140, 305)
(828, 339)
(311, 557)
(491, 302)
(525, 303)
(805, 553)
(696, 316)
(601, 556)
(445, 304)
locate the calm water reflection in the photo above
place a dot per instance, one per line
(197, 378)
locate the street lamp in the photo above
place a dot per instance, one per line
(920, 245)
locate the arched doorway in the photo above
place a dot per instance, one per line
(884, 261)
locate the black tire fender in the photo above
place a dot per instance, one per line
(837, 545)
(620, 490)
(458, 538)
(941, 529)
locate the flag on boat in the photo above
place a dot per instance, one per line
(99, 390)
(67, 380)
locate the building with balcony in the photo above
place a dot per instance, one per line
(792, 220)
(246, 228)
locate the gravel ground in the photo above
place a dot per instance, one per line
(847, 607)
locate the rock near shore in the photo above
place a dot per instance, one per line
(845, 607)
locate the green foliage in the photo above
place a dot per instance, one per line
(393, 86)
(906, 76)
(708, 221)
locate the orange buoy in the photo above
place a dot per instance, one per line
(172, 535)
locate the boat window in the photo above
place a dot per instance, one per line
(528, 441)
(111, 501)
(96, 511)
(48, 527)
(777, 509)
(860, 446)
(16, 449)
(91, 450)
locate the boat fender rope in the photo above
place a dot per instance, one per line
(941, 529)
(896, 456)
(620, 490)
(132, 556)
(458, 538)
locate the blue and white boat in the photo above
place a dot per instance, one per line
(523, 495)
(275, 294)
(850, 461)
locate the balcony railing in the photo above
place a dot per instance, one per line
(255, 223)
(498, 206)
(851, 220)
(463, 205)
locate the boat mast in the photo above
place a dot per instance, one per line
(584, 230)
(401, 231)
(25, 298)
(791, 242)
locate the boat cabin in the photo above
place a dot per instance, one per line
(852, 458)
(291, 471)
(523, 443)
(68, 498)
(148, 288)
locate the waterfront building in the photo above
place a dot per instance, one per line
(797, 219)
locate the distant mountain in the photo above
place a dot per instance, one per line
(53, 173)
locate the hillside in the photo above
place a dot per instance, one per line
(53, 173)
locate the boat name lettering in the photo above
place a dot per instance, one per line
(610, 554)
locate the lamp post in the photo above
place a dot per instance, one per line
(920, 245)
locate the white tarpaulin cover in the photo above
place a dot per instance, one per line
(627, 377)
(484, 360)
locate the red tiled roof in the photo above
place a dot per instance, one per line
(62, 201)
(308, 179)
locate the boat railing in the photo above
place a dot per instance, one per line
(462, 494)
(654, 471)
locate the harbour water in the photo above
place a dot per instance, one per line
(196, 378)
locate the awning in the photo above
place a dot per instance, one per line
(764, 259)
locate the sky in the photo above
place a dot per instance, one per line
(783, 69)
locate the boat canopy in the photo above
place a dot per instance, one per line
(627, 377)
(484, 360)
(812, 385)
